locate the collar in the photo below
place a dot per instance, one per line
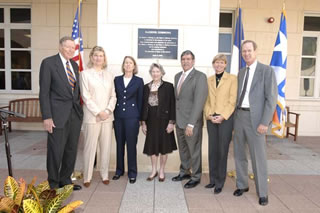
(253, 65)
(64, 61)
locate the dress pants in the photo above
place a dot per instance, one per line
(126, 132)
(190, 152)
(245, 134)
(220, 136)
(97, 138)
(62, 149)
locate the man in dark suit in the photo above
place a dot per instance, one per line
(61, 112)
(256, 102)
(191, 90)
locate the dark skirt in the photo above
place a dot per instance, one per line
(158, 141)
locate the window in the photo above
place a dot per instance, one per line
(15, 49)
(310, 66)
(226, 35)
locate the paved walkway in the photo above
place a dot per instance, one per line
(294, 182)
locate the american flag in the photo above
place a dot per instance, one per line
(77, 36)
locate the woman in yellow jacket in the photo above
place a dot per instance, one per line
(99, 100)
(218, 112)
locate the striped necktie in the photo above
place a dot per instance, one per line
(71, 77)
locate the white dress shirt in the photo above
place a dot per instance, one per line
(252, 69)
(126, 81)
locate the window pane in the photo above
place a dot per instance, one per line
(20, 15)
(225, 20)
(1, 15)
(20, 60)
(308, 66)
(225, 42)
(21, 80)
(2, 80)
(306, 87)
(311, 23)
(309, 46)
(20, 38)
(1, 59)
(1, 38)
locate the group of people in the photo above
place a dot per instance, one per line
(241, 107)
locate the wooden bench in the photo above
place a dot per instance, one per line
(292, 124)
(27, 106)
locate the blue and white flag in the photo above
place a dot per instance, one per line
(237, 61)
(279, 64)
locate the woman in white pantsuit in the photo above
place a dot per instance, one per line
(99, 98)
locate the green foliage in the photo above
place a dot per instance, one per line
(35, 199)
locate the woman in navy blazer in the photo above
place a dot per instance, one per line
(129, 90)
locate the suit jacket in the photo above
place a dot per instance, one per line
(262, 96)
(166, 101)
(222, 99)
(191, 99)
(98, 94)
(56, 96)
(129, 99)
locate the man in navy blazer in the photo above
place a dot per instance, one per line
(61, 112)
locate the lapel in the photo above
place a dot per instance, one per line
(241, 78)
(185, 83)
(176, 83)
(222, 80)
(121, 82)
(256, 76)
(133, 79)
(62, 73)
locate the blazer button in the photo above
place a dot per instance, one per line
(124, 97)
(124, 109)
(132, 104)
(125, 91)
(124, 103)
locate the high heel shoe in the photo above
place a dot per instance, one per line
(162, 179)
(151, 178)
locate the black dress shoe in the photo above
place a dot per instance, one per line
(191, 184)
(132, 180)
(180, 178)
(76, 187)
(210, 186)
(263, 201)
(217, 190)
(239, 192)
(116, 177)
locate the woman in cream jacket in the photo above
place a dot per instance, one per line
(99, 98)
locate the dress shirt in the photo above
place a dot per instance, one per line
(64, 61)
(252, 69)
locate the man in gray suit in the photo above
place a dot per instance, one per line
(257, 98)
(191, 90)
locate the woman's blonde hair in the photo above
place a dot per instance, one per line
(221, 57)
(97, 49)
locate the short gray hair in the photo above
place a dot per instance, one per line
(64, 39)
(187, 52)
(159, 66)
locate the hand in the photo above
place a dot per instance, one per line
(170, 128)
(103, 115)
(189, 131)
(48, 125)
(217, 119)
(144, 128)
(262, 129)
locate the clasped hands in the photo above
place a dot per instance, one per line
(102, 116)
(217, 119)
(169, 128)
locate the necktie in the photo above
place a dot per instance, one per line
(243, 92)
(71, 78)
(181, 82)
